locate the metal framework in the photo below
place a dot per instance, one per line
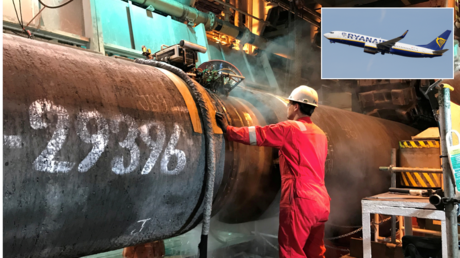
(389, 204)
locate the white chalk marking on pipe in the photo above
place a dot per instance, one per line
(98, 140)
(45, 161)
(180, 109)
(12, 141)
(142, 226)
(129, 143)
(155, 146)
(171, 151)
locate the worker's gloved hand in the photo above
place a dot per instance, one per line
(221, 121)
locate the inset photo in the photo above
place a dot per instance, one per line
(387, 43)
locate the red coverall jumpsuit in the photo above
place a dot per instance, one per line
(304, 205)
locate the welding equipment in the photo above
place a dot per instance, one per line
(183, 55)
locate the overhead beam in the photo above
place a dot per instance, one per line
(58, 35)
(353, 3)
(324, 3)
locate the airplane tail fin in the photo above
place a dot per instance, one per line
(439, 42)
(440, 52)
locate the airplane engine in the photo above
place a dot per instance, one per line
(370, 48)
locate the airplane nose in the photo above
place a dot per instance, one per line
(327, 35)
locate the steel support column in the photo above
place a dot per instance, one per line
(93, 27)
(445, 125)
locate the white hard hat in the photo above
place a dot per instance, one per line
(305, 95)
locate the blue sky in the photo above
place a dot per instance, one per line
(424, 25)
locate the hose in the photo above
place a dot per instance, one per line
(57, 6)
(359, 229)
(345, 235)
(209, 142)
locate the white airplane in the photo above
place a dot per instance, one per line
(374, 45)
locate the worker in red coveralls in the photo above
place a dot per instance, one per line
(304, 205)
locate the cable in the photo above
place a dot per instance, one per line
(359, 229)
(210, 173)
(345, 235)
(20, 13)
(35, 16)
(20, 21)
(57, 6)
(17, 16)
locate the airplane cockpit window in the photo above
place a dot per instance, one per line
(332, 32)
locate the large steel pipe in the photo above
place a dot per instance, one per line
(357, 144)
(101, 153)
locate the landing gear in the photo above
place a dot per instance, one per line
(383, 53)
(332, 41)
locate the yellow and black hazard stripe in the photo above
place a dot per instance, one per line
(417, 179)
(418, 144)
(421, 180)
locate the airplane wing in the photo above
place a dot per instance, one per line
(386, 45)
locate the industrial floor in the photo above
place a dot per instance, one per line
(226, 244)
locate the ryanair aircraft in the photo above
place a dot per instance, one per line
(374, 45)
